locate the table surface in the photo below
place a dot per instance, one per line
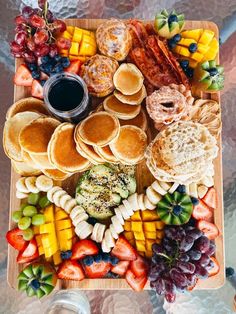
(224, 14)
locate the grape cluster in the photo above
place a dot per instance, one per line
(181, 258)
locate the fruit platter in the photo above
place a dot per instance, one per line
(114, 138)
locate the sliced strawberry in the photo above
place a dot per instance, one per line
(215, 269)
(97, 270)
(139, 266)
(23, 76)
(15, 239)
(211, 198)
(120, 268)
(70, 270)
(84, 248)
(37, 89)
(28, 254)
(209, 229)
(136, 283)
(202, 211)
(74, 67)
(124, 250)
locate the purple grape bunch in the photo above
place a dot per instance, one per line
(181, 258)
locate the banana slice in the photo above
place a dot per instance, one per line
(157, 187)
(83, 229)
(64, 199)
(21, 195)
(141, 202)
(20, 186)
(152, 195)
(100, 232)
(56, 197)
(113, 232)
(187, 187)
(117, 225)
(119, 215)
(202, 190)
(30, 184)
(207, 181)
(133, 201)
(124, 212)
(109, 239)
(52, 191)
(70, 204)
(95, 230)
(148, 204)
(104, 247)
(165, 185)
(44, 183)
(79, 218)
(128, 207)
(76, 211)
(193, 190)
(173, 187)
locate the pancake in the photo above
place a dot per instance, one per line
(62, 150)
(56, 174)
(135, 99)
(130, 145)
(99, 129)
(24, 169)
(27, 104)
(12, 128)
(123, 111)
(27, 159)
(106, 153)
(34, 138)
(42, 161)
(140, 121)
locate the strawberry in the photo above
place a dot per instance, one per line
(37, 89)
(23, 76)
(97, 270)
(70, 270)
(15, 239)
(209, 229)
(28, 254)
(139, 266)
(120, 268)
(210, 198)
(136, 283)
(215, 269)
(124, 250)
(202, 211)
(74, 67)
(84, 248)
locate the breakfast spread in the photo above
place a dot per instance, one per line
(84, 141)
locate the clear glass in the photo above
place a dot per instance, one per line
(76, 114)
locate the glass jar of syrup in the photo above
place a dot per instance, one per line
(66, 96)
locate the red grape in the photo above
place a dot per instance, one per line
(19, 19)
(20, 27)
(29, 57)
(53, 50)
(195, 234)
(169, 286)
(37, 21)
(59, 26)
(210, 265)
(41, 36)
(195, 255)
(212, 249)
(186, 244)
(15, 47)
(178, 278)
(160, 286)
(49, 16)
(30, 44)
(27, 12)
(202, 244)
(42, 50)
(38, 12)
(16, 54)
(183, 257)
(63, 43)
(185, 267)
(170, 297)
(204, 260)
(200, 271)
(20, 37)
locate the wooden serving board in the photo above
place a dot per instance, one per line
(144, 179)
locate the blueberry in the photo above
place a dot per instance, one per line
(194, 200)
(114, 260)
(88, 260)
(177, 210)
(36, 74)
(189, 72)
(57, 58)
(213, 71)
(42, 82)
(176, 38)
(35, 284)
(58, 68)
(97, 258)
(106, 257)
(192, 47)
(172, 18)
(65, 62)
(66, 254)
(92, 221)
(184, 63)
(192, 222)
(45, 59)
(181, 188)
(32, 66)
(229, 271)
(171, 43)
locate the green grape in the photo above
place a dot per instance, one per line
(16, 216)
(23, 206)
(30, 211)
(24, 223)
(28, 234)
(44, 202)
(38, 220)
(33, 198)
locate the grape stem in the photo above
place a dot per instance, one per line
(166, 256)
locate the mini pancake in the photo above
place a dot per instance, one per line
(62, 150)
(130, 145)
(123, 111)
(12, 128)
(135, 99)
(27, 159)
(34, 138)
(140, 121)
(128, 79)
(24, 169)
(99, 129)
(106, 153)
(27, 104)
(42, 161)
(56, 174)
